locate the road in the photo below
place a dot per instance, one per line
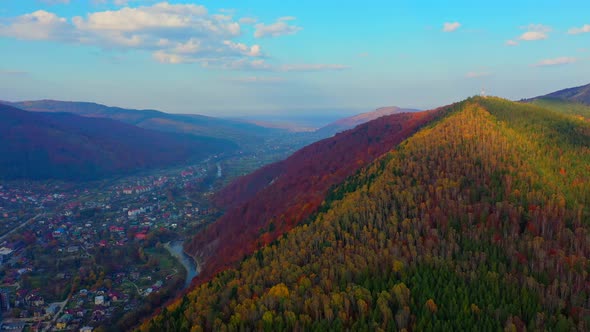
(21, 226)
(62, 306)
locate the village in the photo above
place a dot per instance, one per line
(80, 257)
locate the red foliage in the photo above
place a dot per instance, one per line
(269, 202)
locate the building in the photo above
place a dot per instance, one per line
(4, 300)
(99, 300)
(5, 253)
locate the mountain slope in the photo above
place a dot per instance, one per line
(269, 202)
(200, 125)
(353, 121)
(580, 94)
(67, 146)
(479, 222)
(562, 106)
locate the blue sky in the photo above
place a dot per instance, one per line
(240, 57)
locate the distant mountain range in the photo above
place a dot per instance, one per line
(60, 145)
(355, 120)
(580, 94)
(241, 133)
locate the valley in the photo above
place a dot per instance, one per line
(111, 249)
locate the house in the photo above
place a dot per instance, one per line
(73, 249)
(59, 232)
(140, 236)
(99, 300)
(62, 322)
(52, 309)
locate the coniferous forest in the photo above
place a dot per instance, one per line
(479, 221)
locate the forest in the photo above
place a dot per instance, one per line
(262, 206)
(479, 221)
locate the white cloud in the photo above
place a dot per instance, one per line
(164, 57)
(555, 62)
(174, 33)
(535, 32)
(533, 35)
(474, 74)
(248, 20)
(159, 16)
(451, 26)
(280, 28)
(39, 25)
(583, 29)
(511, 43)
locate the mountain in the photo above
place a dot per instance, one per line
(478, 221)
(262, 206)
(240, 132)
(580, 94)
(353, 121)
(66, 146)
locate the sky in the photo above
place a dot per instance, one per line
(270, 57)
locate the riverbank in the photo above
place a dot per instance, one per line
(175, 248)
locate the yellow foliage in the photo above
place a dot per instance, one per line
(431, 306)
(279, 290)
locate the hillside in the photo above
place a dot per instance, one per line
(562, 106)
(580, 94)
(478, 222)
(66, 146)
(200, 125)
(269, 202)
(353, 121)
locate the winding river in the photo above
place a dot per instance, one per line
(176, 250)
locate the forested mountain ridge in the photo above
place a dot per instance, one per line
(194, 124)
(36, 145)
(269, 202)
(579, 94)
(478, 222)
